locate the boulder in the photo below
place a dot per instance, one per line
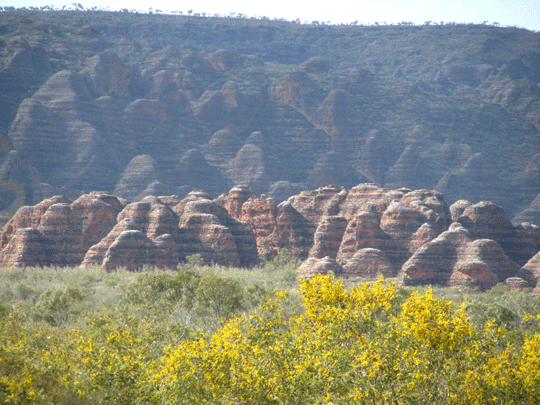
(516, 283)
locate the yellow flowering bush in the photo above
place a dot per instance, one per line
(360, 345)
(371, 343)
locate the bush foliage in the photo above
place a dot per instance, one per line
(205, 335)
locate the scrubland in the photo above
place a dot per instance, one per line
(207, 334)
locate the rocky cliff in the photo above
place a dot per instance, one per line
(365, 231)
(92, 103)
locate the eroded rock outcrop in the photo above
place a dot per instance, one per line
(251, 168)
(369, 262)
(206, 228)
(314, 265)
(488, 220)
(139, 226)
(193, 170)
(329, 169)
(141, 171)
(328, 237)
(454, 259)
(66, 230)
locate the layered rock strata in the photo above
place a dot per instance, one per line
(366, 231)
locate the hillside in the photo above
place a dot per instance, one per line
(149, 104)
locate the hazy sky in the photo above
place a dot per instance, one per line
(520, 13)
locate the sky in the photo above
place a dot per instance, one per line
(519, 13)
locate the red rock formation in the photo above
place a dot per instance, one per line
(433, 263)
(205, 235)
(192, 196)
(526, 243)
(152, 219)
(363, 231)
(372, 162)
(368, 198)
(228, 108)
(369, 262)
(239, 248)
(67, 229)
(482, 263)
(531, 214)
(262, 215)
(224, 145)
(457, 209)
(51, 133)
(454, 155)
(294, 230)
(291, 91)
(250, 168)
(131, 250)
(194, 171)
(313, 266)
(282, 190)
(314, 205)
(531, 270)
(234, 200)
(476, 179)
(328, 236)
(108, 73)
(224, 60)
(141, 171)
(488, 220)
(329, 169)
(28, 217)
(26, 247)
(454, 259)
(403, 173)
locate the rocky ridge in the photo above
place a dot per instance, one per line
(365, 231)
(91, 104)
